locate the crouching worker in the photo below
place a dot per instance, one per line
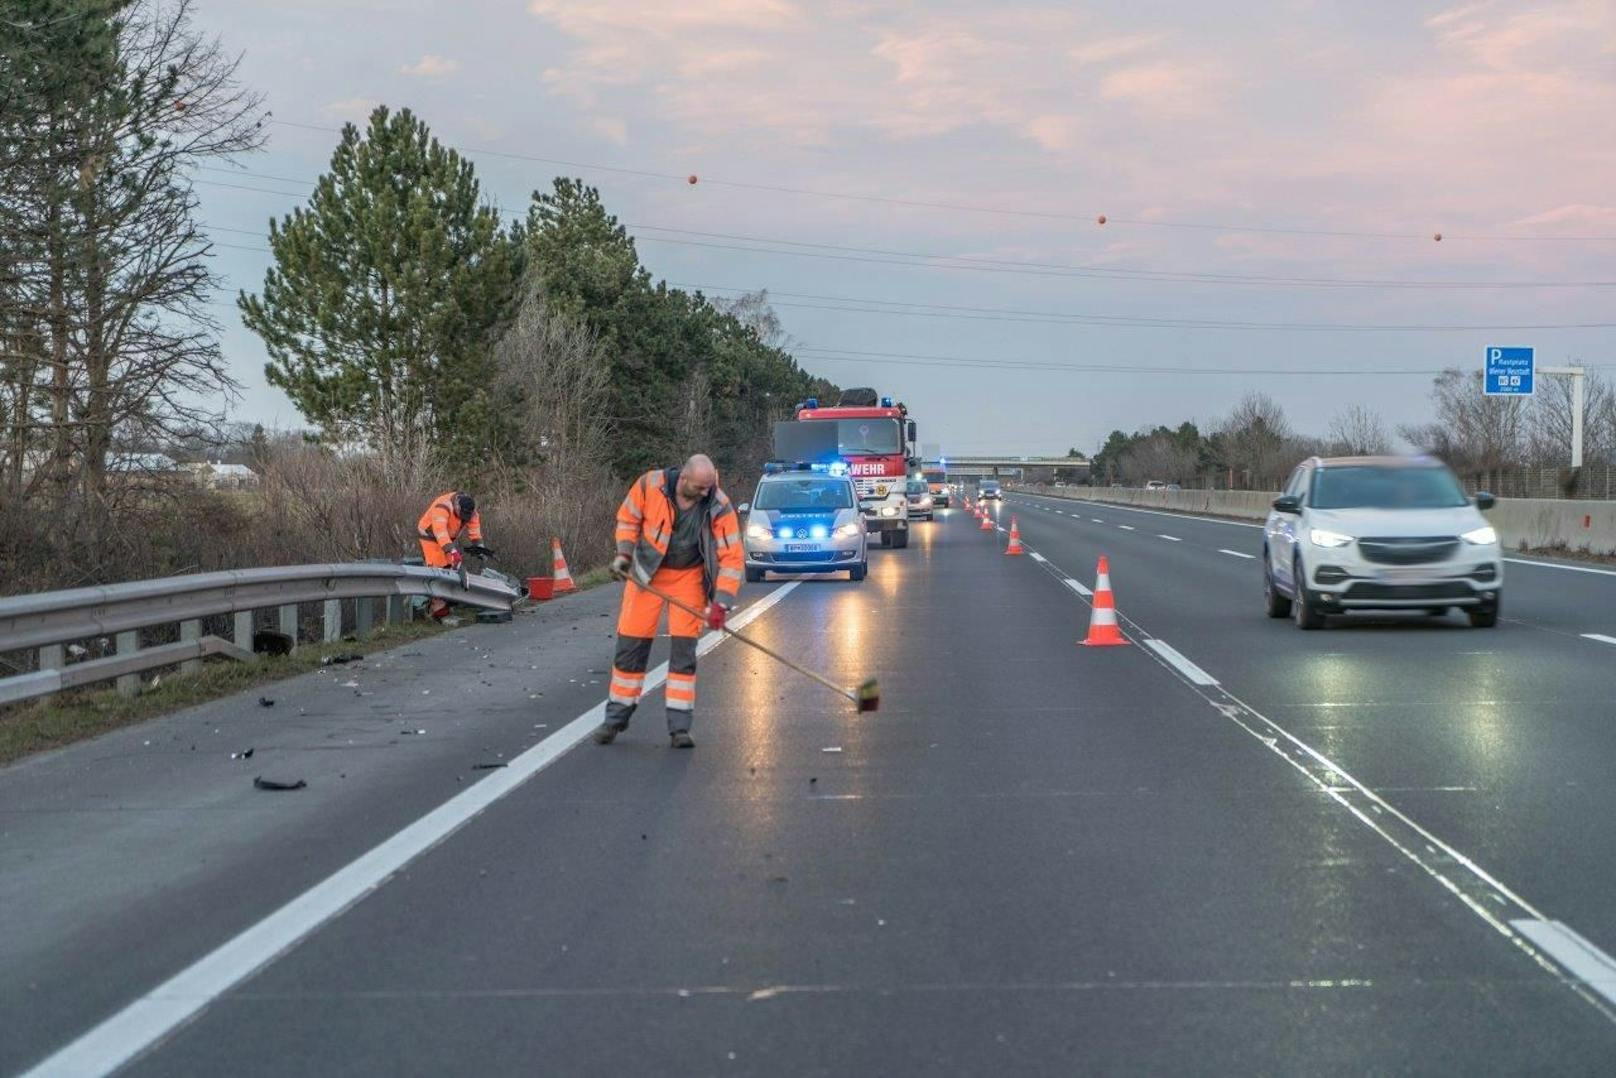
(440, 528)
(677, 532)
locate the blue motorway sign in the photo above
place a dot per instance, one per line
(1509, 372)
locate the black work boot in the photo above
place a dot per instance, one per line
(606, 733)
(681, 739)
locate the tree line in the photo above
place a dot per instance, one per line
(1255, 446)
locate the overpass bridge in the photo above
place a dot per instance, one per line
(1006, 466)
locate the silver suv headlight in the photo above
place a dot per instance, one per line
(1482, 536)
(1321, 537)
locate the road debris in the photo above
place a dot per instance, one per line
(832, 748)
(487, 767)
(339, 660)
(265, 701)
(271, 784)
(247, 755)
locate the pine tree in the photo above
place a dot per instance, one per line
(386, 294)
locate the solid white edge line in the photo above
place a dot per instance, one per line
(1238, 554)
(1582, 959)
(1037, 556)
(1078, 587)
(1601, 637)
(1557, 565)
(141, 1024)
(1180, 663)
(1169, 538)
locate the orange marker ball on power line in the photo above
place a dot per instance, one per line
(691, 178)
(1437, 237)
(1100, 219)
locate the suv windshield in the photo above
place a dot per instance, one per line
(805, 494)
(1369, 487)
(868, 437)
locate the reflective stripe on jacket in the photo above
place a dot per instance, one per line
(645, 527)
(441, 522)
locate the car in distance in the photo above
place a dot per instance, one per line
(804, 521)
(1379, 533)
(988, 488)
(921, 499)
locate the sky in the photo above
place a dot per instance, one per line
(1247, 158)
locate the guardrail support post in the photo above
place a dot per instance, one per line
(243, 634)
(332, 629)
(289, 623)
(398, 609)
(128, 644)
(52, 657)
(190, 630)
(364, 616)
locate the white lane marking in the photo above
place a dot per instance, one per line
(1037, 556)
(1169, 538)
(1181, 664)
(1237, 554)
(1062, 512)
(139, 1025)
(1126, 527)
(1078, 587)
(1601, 637)
(1178, 516)
(1557, 565)
(1582, 960)
(1097, 520)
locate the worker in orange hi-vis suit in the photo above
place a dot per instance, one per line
(439, 530)
(677, 532)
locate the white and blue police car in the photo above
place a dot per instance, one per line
(805, 518)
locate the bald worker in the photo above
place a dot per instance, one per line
(678, 533)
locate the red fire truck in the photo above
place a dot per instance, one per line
(875, 439)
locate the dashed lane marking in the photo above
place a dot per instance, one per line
(1169, 538)
(1037, 556)
(1126, 527)
(1237, 554)
(1079, 588)
(1181, 664)
(1601, 637)
(1582, 960)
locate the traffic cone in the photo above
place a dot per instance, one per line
(563, 578)
(1103, 631)
(1015, 538)
(987, 522)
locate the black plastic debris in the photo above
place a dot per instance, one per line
(493, 617)
(338, 660)
(271, 784)
(487, 767)
(247, 755)
(270, 642)
(265, 701)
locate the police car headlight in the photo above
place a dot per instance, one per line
(757, 531)
(849, 531)
(1482, 536)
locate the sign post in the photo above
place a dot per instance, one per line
(1508, 372)
(1576, 375)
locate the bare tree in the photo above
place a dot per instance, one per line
(1257, 442)
(1473, 432)
(1358, 431)
(1549, 421)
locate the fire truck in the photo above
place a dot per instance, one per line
(874, 439)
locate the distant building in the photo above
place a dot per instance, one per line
(142, 464)
(217, 476)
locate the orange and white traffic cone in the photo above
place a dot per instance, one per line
(987, 522)
(1015, 538)
(563, 578)
(1103, 631)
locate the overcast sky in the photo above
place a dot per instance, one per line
(1491, 123)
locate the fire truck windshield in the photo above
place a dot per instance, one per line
(868, 437)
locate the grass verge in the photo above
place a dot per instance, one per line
(74, 716)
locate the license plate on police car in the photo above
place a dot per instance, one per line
(803, 548)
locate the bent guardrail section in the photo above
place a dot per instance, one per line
(49, 620)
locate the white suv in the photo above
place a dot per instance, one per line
(1379, 533)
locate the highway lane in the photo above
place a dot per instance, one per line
(1498, 741)
(1035, 857)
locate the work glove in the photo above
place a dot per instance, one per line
(620, 566)
(478, 550)
(455, 557)
(716, 613)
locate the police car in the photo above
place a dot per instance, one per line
(804, 519)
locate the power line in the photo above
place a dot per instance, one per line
(1011, 314)
(958, 207)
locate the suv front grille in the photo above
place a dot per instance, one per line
(1409, 551)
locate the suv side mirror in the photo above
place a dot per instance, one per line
(744, 507)
(1485, 501)
(1287, 503)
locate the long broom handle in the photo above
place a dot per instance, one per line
(776, 656)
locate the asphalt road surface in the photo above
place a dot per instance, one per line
(1229, 847)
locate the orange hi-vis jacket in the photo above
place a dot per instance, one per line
(441, 523)
(645, 528)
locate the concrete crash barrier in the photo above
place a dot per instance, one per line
(1536, 523)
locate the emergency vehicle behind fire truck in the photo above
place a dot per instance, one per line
(875, 439)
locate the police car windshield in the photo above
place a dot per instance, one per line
(916, 486)
(806, 493)
(868, 437)
(1369, 487)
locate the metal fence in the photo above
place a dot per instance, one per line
(1592, 482)
(48, 622)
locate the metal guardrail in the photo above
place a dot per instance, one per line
(49, 620)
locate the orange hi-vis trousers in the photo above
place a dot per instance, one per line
(637, 623)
